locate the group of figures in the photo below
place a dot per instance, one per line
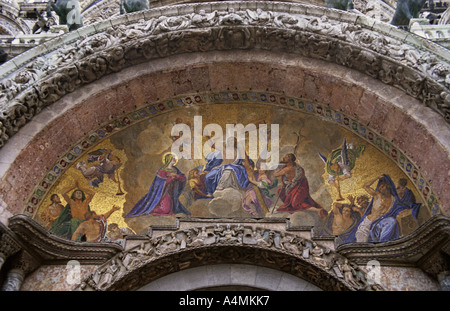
(375, 219)
(76, 220)
(225, 234)
(367, 218)
(220, 174)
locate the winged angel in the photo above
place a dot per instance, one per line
(339, 164)
(107, 163)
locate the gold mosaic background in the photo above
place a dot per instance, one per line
(140, 148)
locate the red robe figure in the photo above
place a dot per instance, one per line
(295, 191)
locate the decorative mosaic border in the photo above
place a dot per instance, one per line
(150, 110)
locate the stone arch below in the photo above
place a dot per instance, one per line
(271, 254)
(228, 276)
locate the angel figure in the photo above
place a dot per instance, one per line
(340, 163)
(108, 164)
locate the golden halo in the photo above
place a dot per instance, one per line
(173, 154)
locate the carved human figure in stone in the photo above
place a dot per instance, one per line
(97, 275)
(130, 6)
(324, 26)
(185, 239)
(231, 18)
(203, 19)
(200, 238)
(69, 12)
(218, 229)
(228, 235)
(289, 243)
(264, 240)
(317, 254)
(249, 236)
(170, 245)
(136, 256)
(26, 76)
(287, 21)
(11, 87)
(348, 271)
(108, 274)
(259, 17)
(8, 89)
(171, 23)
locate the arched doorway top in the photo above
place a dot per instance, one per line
(228, 243)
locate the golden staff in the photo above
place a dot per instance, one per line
(119, 191)
(250, 172)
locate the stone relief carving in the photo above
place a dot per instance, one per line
(204, 244)
(419, 73)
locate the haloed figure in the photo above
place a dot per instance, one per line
(163, 195)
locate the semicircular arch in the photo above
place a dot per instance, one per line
(286, 252)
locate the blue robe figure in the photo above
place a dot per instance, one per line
(163, 195)
(216, 170)
(386, 228)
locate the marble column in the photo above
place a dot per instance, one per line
(19, 266)
(14, 280)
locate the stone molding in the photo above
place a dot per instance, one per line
(51, 249)
(262, 242)
(44, 74)
(227, 242)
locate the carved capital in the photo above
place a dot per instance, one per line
(8, 244)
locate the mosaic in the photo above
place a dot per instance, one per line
(335, 174)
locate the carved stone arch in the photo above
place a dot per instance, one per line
(380, 51)
(155, 258)
(102, 10)
(414, 67)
